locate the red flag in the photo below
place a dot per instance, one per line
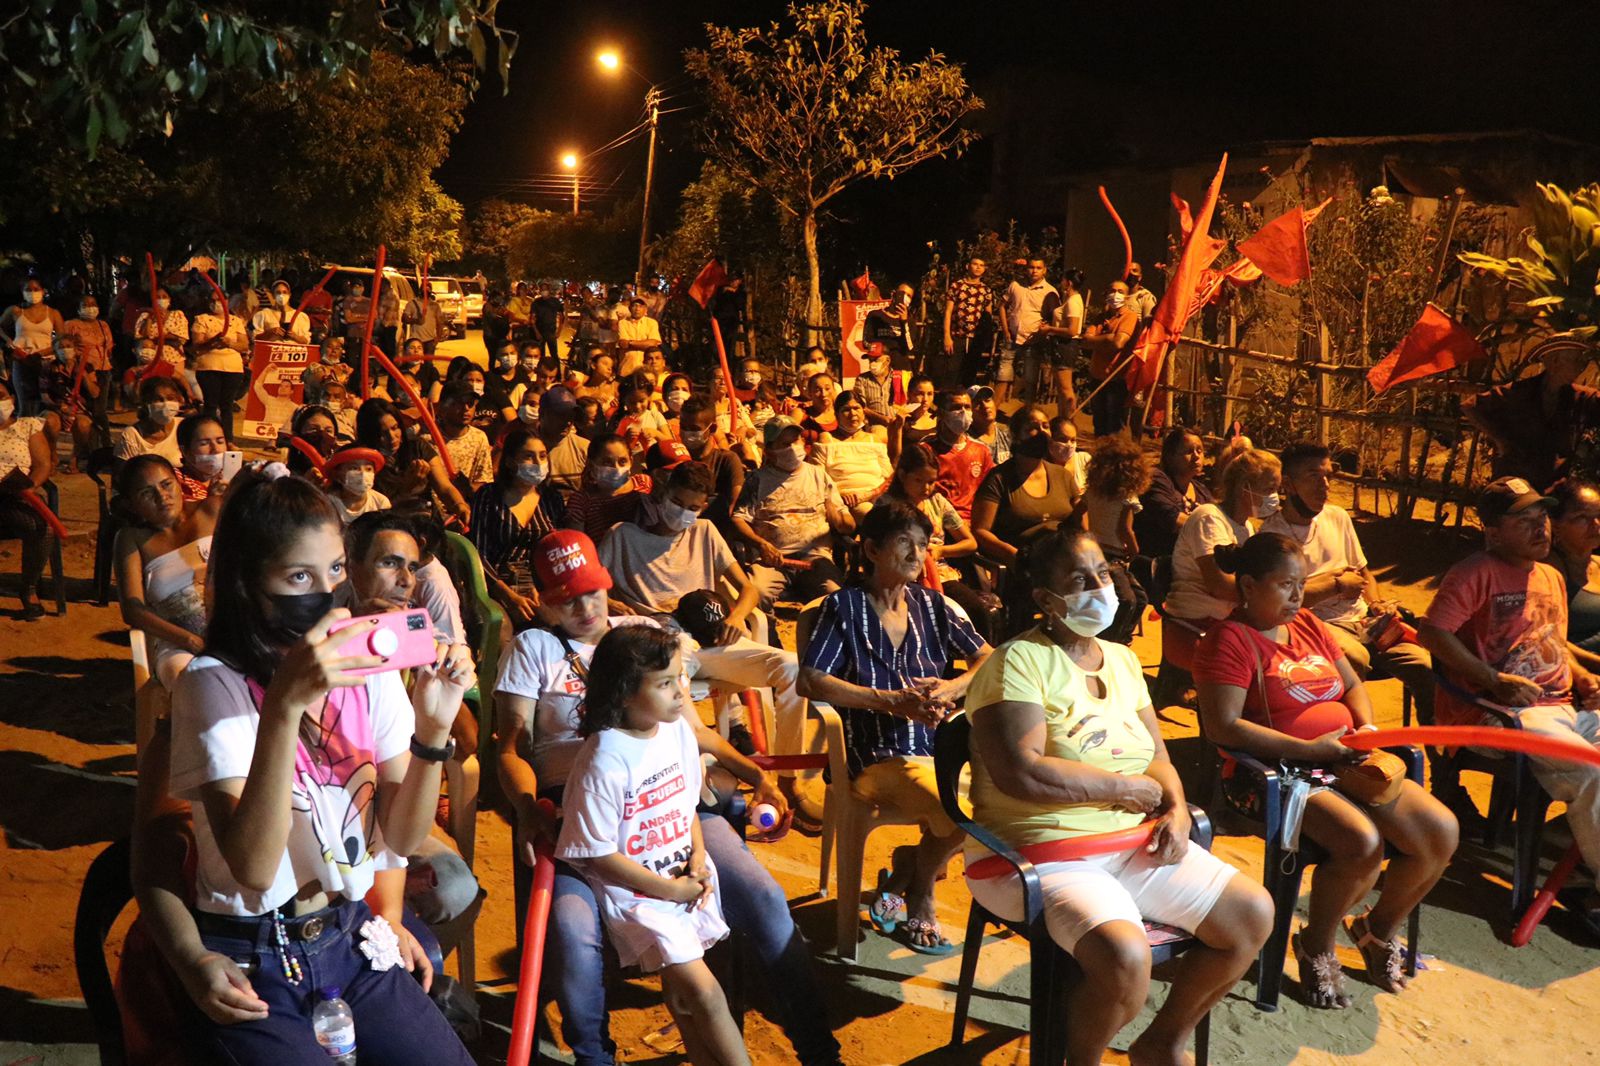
(1435, 344)
(1279, 248)
(707, 282)
(1200, 249)
(862, 285)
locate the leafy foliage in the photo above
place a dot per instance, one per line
(111, 71)
(805, 111)
(486, 241)
(1557, 285)
(558, 245)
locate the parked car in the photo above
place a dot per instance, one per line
(452, 303)
(472, 289)
(393, 280)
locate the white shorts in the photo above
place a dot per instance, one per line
(1006, 366)
(1080, 894)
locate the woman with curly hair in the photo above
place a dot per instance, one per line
(1119, 472)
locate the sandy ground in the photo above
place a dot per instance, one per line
(66, 760)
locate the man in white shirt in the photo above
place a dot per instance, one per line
(280, 321)
(1340, 589)
(1028, 302)
(636, 334)
(1143, 300)
(425, 322)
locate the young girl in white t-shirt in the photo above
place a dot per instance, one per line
(631, 828)
(307, 779)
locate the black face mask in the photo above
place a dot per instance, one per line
(293, 616)
(1302, 507)
(1033, 446)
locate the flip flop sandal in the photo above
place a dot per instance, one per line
(1385, 959)
(936, 944)
(887, 912)
(1321, 978)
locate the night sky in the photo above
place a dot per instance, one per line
(1099, 83)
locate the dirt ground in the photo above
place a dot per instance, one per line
(66, 788)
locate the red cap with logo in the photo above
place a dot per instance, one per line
(666, 454)
(566, 566)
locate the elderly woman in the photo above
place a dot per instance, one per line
(1175, 492)
(1201, 593)
(27, 456)
(855, 456)
(1066, 744)
(1027, 494)
(879, 653)
(1274, 683)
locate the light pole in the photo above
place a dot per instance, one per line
(611, 62)
(570, 161)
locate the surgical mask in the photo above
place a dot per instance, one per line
(477, 388)
(530, 366)
(146, 356)
(676, 518)
(1114, 299)
(1268, 505)
(675, 399)
(163, 303)
(63, 354)
(216, 309)
(530, 473)
(161, 413)
(7, 409)
(609, 477)
(789, 459)
(32, 296)
(1062, 453)
(207, 466)
(1089, 612)
(958, 421)
(293, 615)
(335, 406)
(750, 381)
(281, 297)
(357, 292)
(332, 356)
(528, 413)
(90, 313)
(505, 361)
(693, 438)
(358, 481)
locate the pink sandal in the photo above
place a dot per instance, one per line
(1385, 959)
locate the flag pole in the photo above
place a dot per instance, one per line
(372, 314)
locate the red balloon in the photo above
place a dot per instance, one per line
(1475, 736)
(1081, 847)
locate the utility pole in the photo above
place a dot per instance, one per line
(652, 104)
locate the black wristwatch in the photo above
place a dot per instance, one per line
(422, 751)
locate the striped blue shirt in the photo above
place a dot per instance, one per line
(849, 643)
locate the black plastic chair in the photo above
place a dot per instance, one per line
(107, 891)
(1052, 972)
(1284, 870)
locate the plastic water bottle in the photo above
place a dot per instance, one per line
(335, 1027)
(764, 816)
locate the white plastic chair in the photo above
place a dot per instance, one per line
(150, 701)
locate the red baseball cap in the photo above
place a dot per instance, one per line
(666, 454)
(566, 566)
(352, 455)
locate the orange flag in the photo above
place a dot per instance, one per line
(706, 283)
(1435, 344)
(1200, 249)
(1279, 248)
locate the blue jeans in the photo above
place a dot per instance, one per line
(396, 1023)
(754, 907)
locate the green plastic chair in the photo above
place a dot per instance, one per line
(484, 621)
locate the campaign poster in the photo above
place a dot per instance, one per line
(276, 368)
(852, 320)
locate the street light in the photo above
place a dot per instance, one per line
(570, 161)
(611, 62)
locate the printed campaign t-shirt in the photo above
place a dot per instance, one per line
(334, 838)
(1300, 676)
(1513, 619)
(636, 796)
(1105, 732)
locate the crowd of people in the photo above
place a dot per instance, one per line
(945, 549)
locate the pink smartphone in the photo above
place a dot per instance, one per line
(403, 638)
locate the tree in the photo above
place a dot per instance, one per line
(554, 244)
(805, 112)
(116, 70)
(486, 241)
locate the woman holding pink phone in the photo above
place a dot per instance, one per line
(309, 772)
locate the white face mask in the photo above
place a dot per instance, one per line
(207, 466)
(1061, 453)
(958, 420)
(163, 412)
(530, 366)
(1268, 505)
(750, 381)
(609, 477)
(675, 399)
(32, 296)
(1087, 613)
(693, 438)
(146, 356)
(89, 313)
(358, 481)
(477, 388)
(163, 303)
(528, 414)
(530, 473)
(7, 409)
(676, 518)
(1114, 300)
(790, 458)
(505, 361)
(281, 297)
